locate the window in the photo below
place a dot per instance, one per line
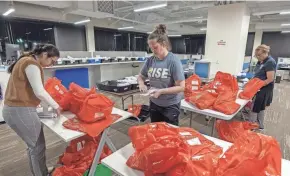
(104, 40)
(194, 44)
(29, 33)
(138, 42)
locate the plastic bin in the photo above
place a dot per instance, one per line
(142, 59)
(100, 170)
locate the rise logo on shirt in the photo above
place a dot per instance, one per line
(158, 73)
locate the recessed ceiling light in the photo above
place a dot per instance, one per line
(285, 31)
(203, 29)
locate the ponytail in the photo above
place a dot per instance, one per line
(51, 50)
(10, 68)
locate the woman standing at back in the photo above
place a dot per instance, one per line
(24, 93)
(165, 73)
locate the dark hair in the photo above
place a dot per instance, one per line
(160, 34)
(50, 49)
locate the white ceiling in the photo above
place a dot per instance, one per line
(181, 17)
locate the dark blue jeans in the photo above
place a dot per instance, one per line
(167, 114)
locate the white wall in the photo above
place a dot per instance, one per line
(257, 42)
(4, 77)
(229, 23)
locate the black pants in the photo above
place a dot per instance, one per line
(263, 98)
(167, 114)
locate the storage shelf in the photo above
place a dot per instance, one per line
(92, 64)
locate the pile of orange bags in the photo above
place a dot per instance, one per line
(219, 95)
(251, 88)
(252, 154)
(93, 110)
(231, 130)
(165, 149)
(79, 156)
(162, 149)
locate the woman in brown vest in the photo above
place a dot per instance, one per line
(24, 93)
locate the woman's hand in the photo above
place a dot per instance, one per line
(143, 88)
(156, 93)
(58, 111)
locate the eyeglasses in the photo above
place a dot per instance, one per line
(53, 62)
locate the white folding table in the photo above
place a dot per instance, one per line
(67, 135)
(117, 161)
(211, 113)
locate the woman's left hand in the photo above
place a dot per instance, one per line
(156, 93)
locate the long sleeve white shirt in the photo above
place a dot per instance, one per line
(34, 77)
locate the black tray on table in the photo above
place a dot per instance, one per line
(112, 86)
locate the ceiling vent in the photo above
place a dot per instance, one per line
(105, 6)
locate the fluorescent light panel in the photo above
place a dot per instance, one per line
(203, 29)
(285, 31)
(82, 21)
(129, 27)
(47, 29)
(285, 13)
(150, 7)
(285, 24)
(8, 11)
(175, 35)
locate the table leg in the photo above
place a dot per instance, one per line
(110, 145)
(213, 127)
(98, 152)
(190, 122)
(123, 105)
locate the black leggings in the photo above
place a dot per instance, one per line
(167, 114)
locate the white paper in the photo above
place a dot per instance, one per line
(196, 157)
(185, 133)
(194, 141)
(150, 91)
(194, 88)
(194, 82)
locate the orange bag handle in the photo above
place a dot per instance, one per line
(92, 96)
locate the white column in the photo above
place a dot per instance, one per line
(258, 40)
(90, 36)
(226, 37)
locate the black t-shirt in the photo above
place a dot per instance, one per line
(261, 69)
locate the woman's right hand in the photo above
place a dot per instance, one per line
(143, 88)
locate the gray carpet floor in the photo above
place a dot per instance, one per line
(14, 162)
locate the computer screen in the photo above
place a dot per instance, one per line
(202, 69)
